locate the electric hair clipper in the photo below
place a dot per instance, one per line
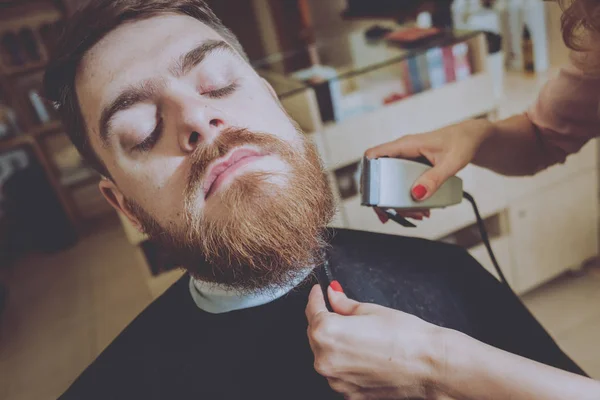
(386, 183)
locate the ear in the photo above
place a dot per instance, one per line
(115, 198)
(268, 85)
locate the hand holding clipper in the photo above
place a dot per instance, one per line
(386, 183)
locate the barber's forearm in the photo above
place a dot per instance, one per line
(512, 148)
(475, 370)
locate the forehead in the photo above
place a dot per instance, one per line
(134, 52)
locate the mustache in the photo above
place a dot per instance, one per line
(227, 140)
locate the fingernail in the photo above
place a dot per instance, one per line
(382, 217)
(335, 285)
(419, 192)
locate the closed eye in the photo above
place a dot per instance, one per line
(151, 140)
(222, 92)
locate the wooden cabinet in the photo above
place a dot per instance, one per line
(584, 160)
(502, 250)
(554, 230)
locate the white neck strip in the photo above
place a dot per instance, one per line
(218, 299)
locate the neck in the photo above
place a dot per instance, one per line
(218, 299)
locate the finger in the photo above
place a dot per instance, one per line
(431, 180)
(343, 387)
(405, 147)
(340, 303)
(413, 214)
(413, 210)
(316, 304)
(382, 215)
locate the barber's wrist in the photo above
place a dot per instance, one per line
(484, 129)
(459, 363)
(485, 132)
(435, 359)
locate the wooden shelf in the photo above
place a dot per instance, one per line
(28, 15)
(26, 138)
(14, 142)
(22, 70)
(45, 129)
(79, 178)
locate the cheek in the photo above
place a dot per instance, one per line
(261, 112)
(279, 169)
(158, 186)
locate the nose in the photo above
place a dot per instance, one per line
(198, 123)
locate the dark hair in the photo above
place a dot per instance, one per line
(86, 28)
(580, 23)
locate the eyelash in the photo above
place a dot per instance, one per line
(151, 140)
(222, 92)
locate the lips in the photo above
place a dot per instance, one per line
(222, 168)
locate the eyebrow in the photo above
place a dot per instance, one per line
(147, 90)
(194, 57)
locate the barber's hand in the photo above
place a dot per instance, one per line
(449, 149)
(370, 352)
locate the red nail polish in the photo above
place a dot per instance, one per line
(419, 192)
(382, 217)
(335, 285)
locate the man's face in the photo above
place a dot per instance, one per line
(202, 156)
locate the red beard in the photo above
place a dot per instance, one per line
(257, 234)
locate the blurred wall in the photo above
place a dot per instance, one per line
(328, 25)
(326, 16)
(266, 27)
(241, 18)
(559, 52)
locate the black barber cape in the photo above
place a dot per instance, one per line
(174, 350)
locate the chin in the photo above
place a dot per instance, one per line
(252, 191)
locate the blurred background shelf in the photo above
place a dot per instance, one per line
(53, 127)
(45, 129)
(28, 32)
(14, 142)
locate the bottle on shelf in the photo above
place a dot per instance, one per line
(462, 66)
(8, 122)
(449, 64)
(528, 61)
(535, 19)
(416, 84)
(437, 72)
(39, 107)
